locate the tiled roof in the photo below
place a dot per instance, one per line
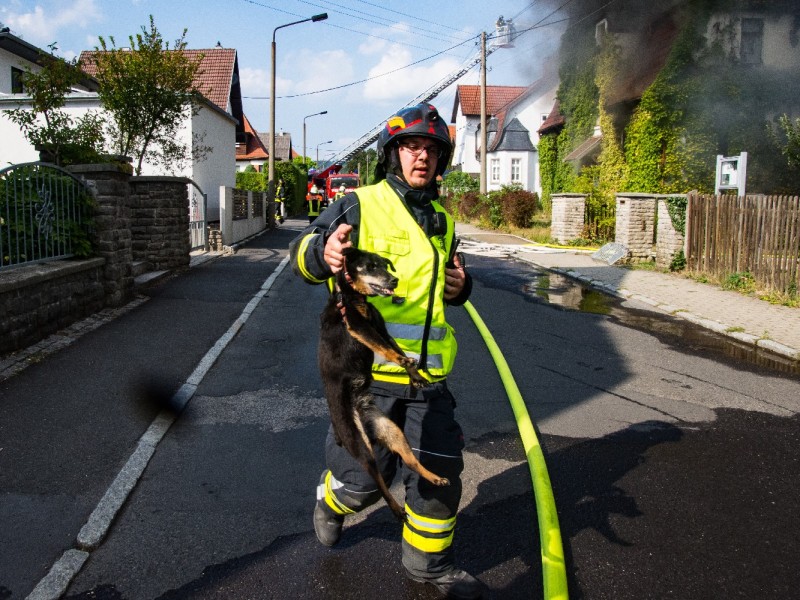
(214, 77)
(253, 148)
(553, 121)
(283, 144)
(497, 97)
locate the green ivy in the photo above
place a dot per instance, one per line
(676, 207)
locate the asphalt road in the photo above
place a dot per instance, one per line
(674, 466)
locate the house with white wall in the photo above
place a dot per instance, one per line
(514, 115)
(217, 124)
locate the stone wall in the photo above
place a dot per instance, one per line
(144, 218)
(635, 225)
(567, 216)
(37, 300)
(669, 241)
(160, 222)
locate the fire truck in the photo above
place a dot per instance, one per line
(330, 180)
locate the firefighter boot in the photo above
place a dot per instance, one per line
(327, 525)
(455, 583)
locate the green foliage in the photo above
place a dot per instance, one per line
(458, 183)
(363, 162)
(295, 179)
(548, 161)
(678, 262)
(65, 139)
(702, 103)
(149, 91)
(676, 207)
(578, 96)
(740, 282)
(252, 181)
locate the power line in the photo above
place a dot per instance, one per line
(338, 87)
(384, 22)
(329, 24)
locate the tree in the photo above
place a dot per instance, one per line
(149, 91)
(363, 162)
(64, 138)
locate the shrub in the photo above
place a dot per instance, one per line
(469, 205)
(517, 206)
(458, 183)
(251, 180)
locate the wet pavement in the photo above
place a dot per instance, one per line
(674, 466)
(749, 322)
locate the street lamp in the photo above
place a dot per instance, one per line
(271, 191)
(320, 144)
(324, 112)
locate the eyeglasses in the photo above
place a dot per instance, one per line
(433, 150)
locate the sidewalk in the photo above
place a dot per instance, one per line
(746, 319)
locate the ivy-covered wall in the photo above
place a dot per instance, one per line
(702, 103)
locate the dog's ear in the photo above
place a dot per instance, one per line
(389, 264)
(349, 250)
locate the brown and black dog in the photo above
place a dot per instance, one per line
(351, 330)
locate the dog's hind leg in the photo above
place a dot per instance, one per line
(367, 460)
(390, 435)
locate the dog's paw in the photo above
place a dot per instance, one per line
(407, 362)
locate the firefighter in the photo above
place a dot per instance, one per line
(314, 199)
(399, 218)
(340, 193)
(280, 200)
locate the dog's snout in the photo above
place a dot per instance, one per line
(393, 281)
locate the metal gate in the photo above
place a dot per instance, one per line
(198, 230)
(45, 214)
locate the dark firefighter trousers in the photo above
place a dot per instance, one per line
(428, 422)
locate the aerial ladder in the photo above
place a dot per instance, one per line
(503, 37)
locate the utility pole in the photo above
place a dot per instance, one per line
(484, 135)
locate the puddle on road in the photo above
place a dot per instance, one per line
(563, 292)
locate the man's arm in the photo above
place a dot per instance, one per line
(310, 254)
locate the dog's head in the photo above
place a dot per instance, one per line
(368, 273)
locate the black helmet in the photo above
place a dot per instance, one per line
(421, 120)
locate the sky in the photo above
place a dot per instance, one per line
(364, 62)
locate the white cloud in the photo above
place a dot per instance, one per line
(307, 71)
(404, 85)
(254, 82)
(43, 24)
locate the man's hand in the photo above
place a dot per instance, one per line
(337, 241)
(454, 279)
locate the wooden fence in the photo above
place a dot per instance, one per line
(755, 234)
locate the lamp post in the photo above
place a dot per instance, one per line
(320, 144)
(271, 191)
(324, 112)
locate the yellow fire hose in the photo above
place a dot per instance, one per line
(554, 573)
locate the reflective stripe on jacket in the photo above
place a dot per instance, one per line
(415, 315)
